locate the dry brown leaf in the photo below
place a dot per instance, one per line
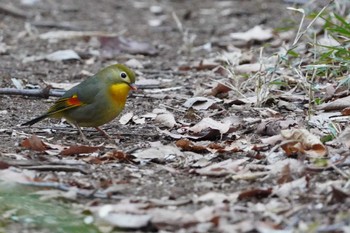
(220, 89)
(338, 195)
(116, 155)
(34, 143)
(286, 175)
(255, 193)
(187, 145)
(4, 165)
(80, 149)
(345, 111)
(302, 141)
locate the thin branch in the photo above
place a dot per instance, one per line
(43, 93)
(65, 168)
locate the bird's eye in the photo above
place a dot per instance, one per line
(123, 75)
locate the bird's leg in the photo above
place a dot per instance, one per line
(103, 132)
(81, 133)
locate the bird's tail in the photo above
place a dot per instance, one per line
(35, 120)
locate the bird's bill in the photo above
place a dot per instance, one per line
(133, 87)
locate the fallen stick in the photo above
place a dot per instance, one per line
(47, 92)
(64, 168)
(43, 93)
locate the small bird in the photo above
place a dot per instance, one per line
(95, 101)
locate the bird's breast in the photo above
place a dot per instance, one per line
(119, 93)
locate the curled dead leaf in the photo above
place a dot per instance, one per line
(187, 145)
(73, 150)
(255, 193)
(34, 143)
(304, 142)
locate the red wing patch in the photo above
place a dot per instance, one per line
(73, 101)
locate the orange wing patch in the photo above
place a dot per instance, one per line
(73, 101)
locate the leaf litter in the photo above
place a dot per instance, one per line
(217, 140)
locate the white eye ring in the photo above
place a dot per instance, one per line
(123, 75)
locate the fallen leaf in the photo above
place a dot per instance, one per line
(225, 167)
(338, 104)
(126, 118)
(80, 149)
(133, 63)
(166, 119)
(187, 145)
(62, 55)
(112, 46)
(304, 142)
(14, 176)
(127, 221)
(160, 153)
(4, 165)
(220, 89)
(256, 33)
(161, 217)
(200, 103)
(34, 143)
(338, 195)
(249, 68)
(206, 123)
(255, 193)
(117, 155)
(64, 86)
(286, 175)
(288, 189)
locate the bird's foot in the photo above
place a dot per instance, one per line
(103, 133)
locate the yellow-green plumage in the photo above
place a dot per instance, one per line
(95, 101)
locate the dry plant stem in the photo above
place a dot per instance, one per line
(11, 10)
(300, 34)
(31, 92)
(344, 174)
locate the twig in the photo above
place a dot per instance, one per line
(54, 24)
(11, 10)
(103, 195)
(43, 93)
(65, 168)
(66, 188)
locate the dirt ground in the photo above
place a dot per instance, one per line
(165, 180)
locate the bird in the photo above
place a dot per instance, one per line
(95, 101)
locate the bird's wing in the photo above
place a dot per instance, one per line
(82, 94)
